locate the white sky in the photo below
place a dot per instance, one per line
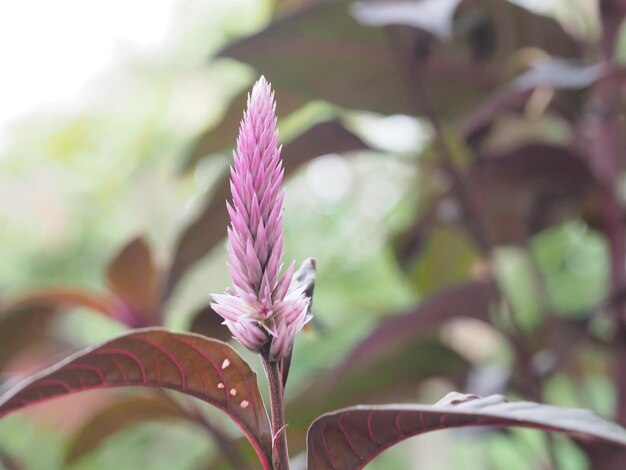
(51, 49)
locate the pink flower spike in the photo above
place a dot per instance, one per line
(264, 309)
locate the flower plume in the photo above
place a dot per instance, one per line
(262, 308)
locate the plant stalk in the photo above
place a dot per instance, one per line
(280, 453)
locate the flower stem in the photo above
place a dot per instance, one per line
(280, 454)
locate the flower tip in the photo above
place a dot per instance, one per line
(262, 89)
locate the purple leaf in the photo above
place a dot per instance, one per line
(194, 365)
(471, 300)
(224, 134)
(134, 277)
(520, 192)
(387, 377)
(551, 72)
(206, 322)
(23, 328)
(350, 438)
(322, 52)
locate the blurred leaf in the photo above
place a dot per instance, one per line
(605, 457)
(472, 299)
(134, 277)
(224, 135)
(388, 375)
(25, 321)
(321, 52)
(206, 322)
(117, 416)
(435, 255)
(209, 227)
(350, 438)
(523, 191)
(9, 463)
(65, 297)
(321, 139)
(550, 72)
(434, 16)
(515, 28)
(197, 366)
(21, 329)
(447, 260)
(560, 74)
(612, 13)
(245, 454)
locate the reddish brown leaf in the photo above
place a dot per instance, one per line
(320, 51)
(21, 329)
(223, 135)
(206, 322)
(517, 193)
(194, 365)
(472, 299)
(65, 297)
(210, 225)
(388, 377)
(377, 368)
(350, 438)
(134, 277)
(25, 320)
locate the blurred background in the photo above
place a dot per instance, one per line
(455, 167)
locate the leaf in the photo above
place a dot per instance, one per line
(134, 277)
(210, 225)
(65, 297)
(194, 365)
(560, 74)
(434, 16)
(117, 416)
(359, 69)
(377, 367)
(206, 322)
(520, 192)
(446, 258)
(9, 463)
(26, 320)
(223, 136)
(550, 72)
(23, 328)
(390, 375)
(471, 299)
(352, 437)
(375, 68)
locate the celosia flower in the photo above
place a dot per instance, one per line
(262, 307)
